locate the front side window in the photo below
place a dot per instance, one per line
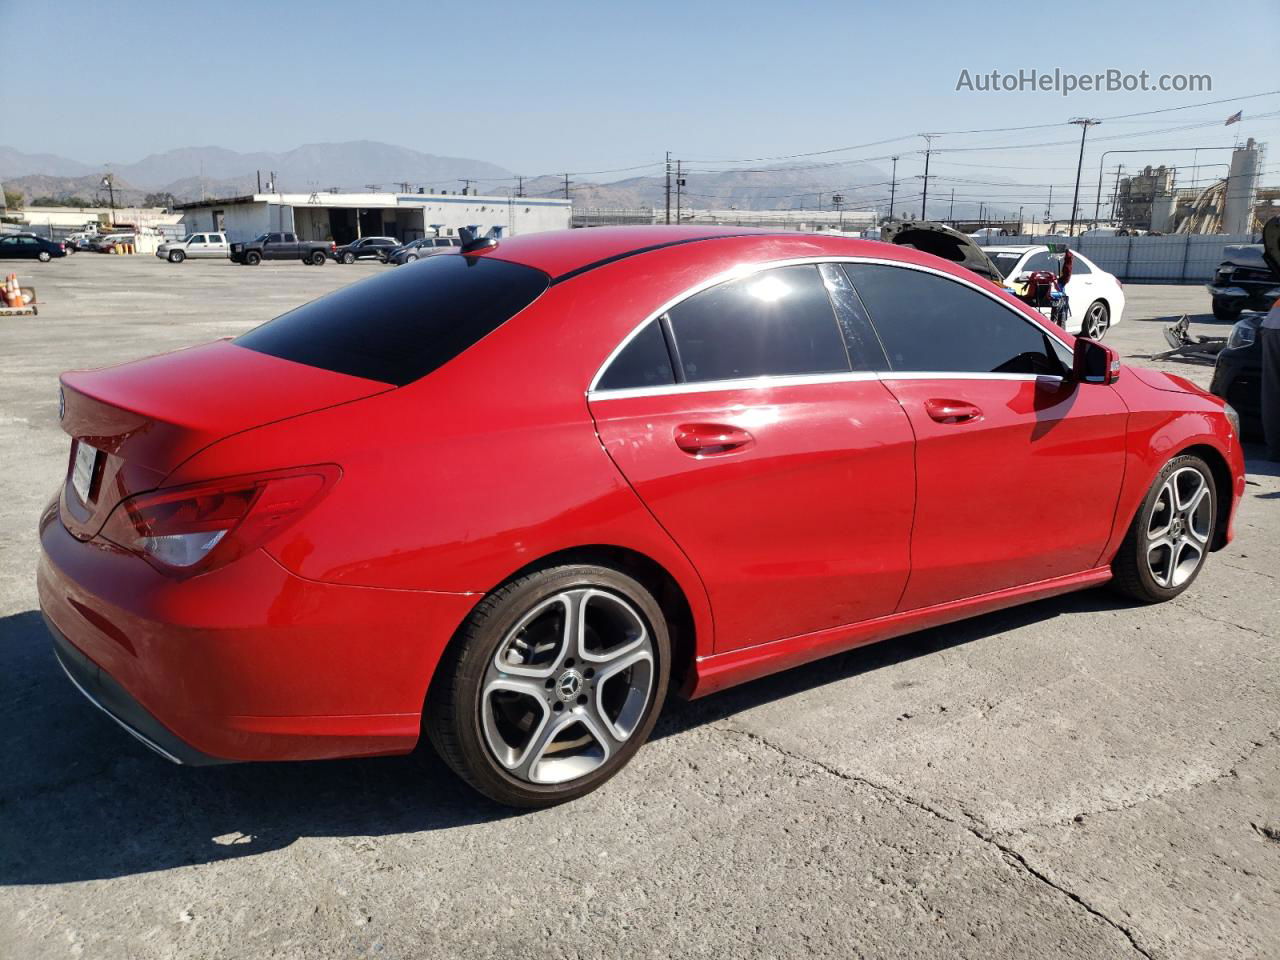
(198, 238)
(773, 323)
(932, 324)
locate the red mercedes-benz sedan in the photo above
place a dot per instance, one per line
(507, 498)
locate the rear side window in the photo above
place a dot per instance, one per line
(930, 324)
(774, 323)
(644, 362)
(400, 326)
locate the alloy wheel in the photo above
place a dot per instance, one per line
(567, 686)
(1095, 322)
(1178, 528)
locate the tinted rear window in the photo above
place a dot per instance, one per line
(402, 325)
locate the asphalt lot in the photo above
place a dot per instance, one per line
(1075, 778)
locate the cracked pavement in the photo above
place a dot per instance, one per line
(1075, 778)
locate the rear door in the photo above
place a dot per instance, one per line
(1018, 469)
(761, 439)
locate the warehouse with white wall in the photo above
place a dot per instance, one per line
(343, 217)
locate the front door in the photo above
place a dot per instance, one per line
(777, 461)
(1018, 469)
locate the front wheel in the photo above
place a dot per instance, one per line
(1171, 536)
(1097, 320)
(1225, 310)
(348, 258)
(552, 685)
(410, 258)
(253, 258)
(176, 256)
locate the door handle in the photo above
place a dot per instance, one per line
(711, 439)
(952, 411)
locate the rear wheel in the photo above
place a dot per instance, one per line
(348, 258)
(1097, 320)
(1167, 544)
(44, 256)
(176, 256)
(253, 258)
(552, 685)
(317, 258)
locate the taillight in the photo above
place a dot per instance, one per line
(197, 527)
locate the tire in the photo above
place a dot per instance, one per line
(316, 258)
(1144, 568)
(253, 258)
(44, 256)
(176, 256)
(348, 257)
(1097, 320)
(410, 258)
(1225, 311)
(497, 729)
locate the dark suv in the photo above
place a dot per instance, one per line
(1237, 375)
(365, 248)
(1245, 280)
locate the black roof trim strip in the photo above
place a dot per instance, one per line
(577, 271)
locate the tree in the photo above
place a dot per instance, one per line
(66, 200)
(163, 199)
(13, 199)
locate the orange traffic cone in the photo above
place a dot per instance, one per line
(12, 295)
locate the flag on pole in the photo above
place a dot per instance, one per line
(1234, 118)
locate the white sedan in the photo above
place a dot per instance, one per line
(1096, 297)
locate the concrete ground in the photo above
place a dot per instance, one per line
(1080, 777)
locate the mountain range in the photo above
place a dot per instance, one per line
(189, 173)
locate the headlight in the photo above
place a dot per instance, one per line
(1244, 332)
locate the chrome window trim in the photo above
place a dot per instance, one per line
(746, 270)
(742, 383)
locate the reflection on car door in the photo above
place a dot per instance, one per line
(781, 466)
(1018, 469)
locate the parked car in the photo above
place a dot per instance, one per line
(426, 247)
(198, 246)
(1246, 280)
(1096, 297)
(365, 248)
(82, 241)
(714, 455)
(281, 246)
(107, 241)
(27, 246)
(1237, 373)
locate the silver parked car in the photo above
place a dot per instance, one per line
(426, 247)
(200, 246)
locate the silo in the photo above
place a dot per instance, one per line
(1162, 213)
(1242, 184)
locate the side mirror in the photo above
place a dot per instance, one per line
(1091, 362)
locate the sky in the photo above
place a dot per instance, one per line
(553, 86)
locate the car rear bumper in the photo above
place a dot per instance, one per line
(246, 662)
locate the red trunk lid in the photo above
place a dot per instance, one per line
(148, 416)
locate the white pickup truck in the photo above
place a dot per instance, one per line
(196, 246)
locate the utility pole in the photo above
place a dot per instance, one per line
(1048, 211)
(567, 181)
(679, 189)
(893, 186)
(924, 198)
(951, 211)
(668, 193)
(1084, 123)
(837, 199)
(259, 182)
(519, 186)
(982, 215)
(109, 182)
(404, 185)
(466, 185)
(1019, 220)
(1115, 191)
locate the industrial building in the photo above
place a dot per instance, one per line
(344, 217)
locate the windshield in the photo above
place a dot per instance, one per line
(400, 326)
